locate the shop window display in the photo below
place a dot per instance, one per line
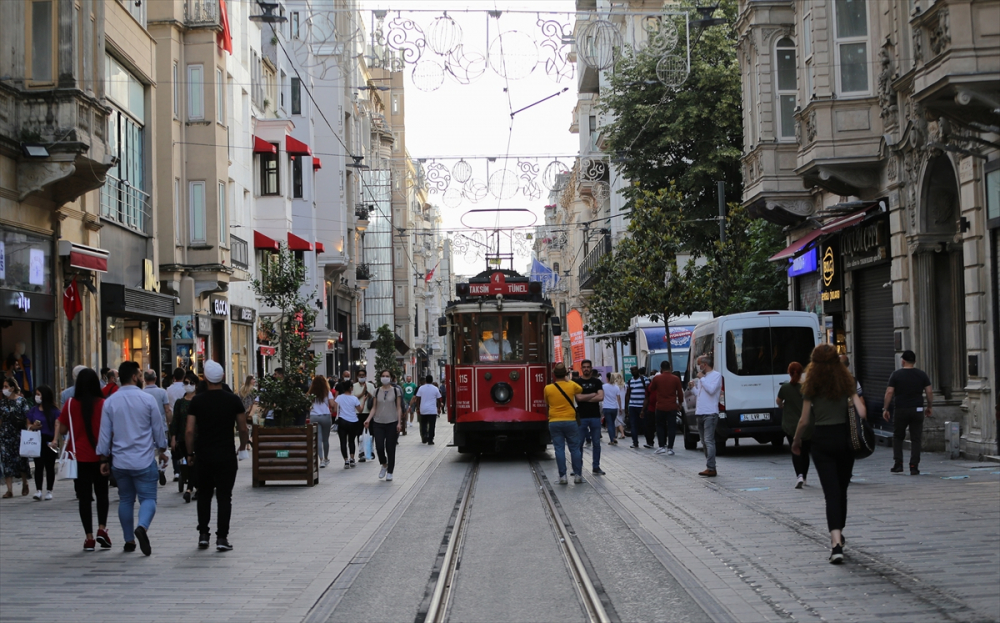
(128, 340)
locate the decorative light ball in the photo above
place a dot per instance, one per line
(444, 35)
(427, 75)
(599, 43)
(461, 172)
(452, 197)
(672, 70)
(513, 55)
(475, 190)
(554, 177)
(503, 184)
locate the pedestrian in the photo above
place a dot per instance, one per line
(908, 385)
(611, 406)
(42, 418)
(211, 418)
(827, 391)
(427, 404)
(247, 394)
(409, 391)
(635, 398)
(364, 391)
(132, 431)
(348, 408)
(178, 444)
(82, 414)
(68, 392)
(589, 411)
(619, 381)
(666, 395)
(163, 402)
(112, 384)
(707, 389)
(790, 402)
(321, 414)
(386, 421)
(13, 419)
(563, 427)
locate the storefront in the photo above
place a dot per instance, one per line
(133, 323)
(831, 280)
(242, 346)
(804, 273)
(27, 309)
(218, 311)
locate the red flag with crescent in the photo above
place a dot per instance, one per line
(72, 304)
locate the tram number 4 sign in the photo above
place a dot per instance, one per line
(497, 285)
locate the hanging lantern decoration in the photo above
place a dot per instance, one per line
(672, 70)
(427, 75)
(555, 177)
(503, 184)
(513, 55)
(444, 35)
(462, 171)
(599, 43)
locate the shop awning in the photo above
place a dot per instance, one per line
(832, 227)
(298, 244)
(84, 257)
(320, 248)
(317, 165)
(295, 147)
(260, 241)
(847, 221)
(260, 146)
(796, 246)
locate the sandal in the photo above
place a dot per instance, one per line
(25, 490)
(9, 494)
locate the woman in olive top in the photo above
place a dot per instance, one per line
(790, 402)
(562, 423)
(827, 390)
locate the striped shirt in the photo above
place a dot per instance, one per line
(638, 387)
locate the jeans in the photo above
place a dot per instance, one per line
(635, 423)
(609, 421)
(325, 423)
(216, 476)
(591, 425)
(801, 462)
(428, 421)
(384, 438)
(133, 482)
(567, 433)
(348, 433)
(89, 480)
(907, 417)
(834, 460)
(46, 463)
(666, 428)
(706, 429)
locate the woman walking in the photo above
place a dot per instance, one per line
(348, 408)
(178, 444)
(13, 419)
(42, 417)
(790, 402)
(321, 414)
(81, 415)
(247, 395)
(386, 422)
(612, 407)
(559, 396)
(827, 391)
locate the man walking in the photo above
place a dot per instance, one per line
(908, 385)
(132, 430)
(209, 432)
(707, 388)
(112, 385)
(176, 389)
(666, 394)
(163, 402)
(427, 405)
(635, 398)
(589, 410)
(409, 391)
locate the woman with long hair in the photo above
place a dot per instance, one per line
(42, 417)
(178, 443)
(560, 398)
(82, 412)
(247, 395)
(612, 406)
(386, 422)
(790, 402)
(827, 391)
(13, 419)
(348, 408)
(321, 412)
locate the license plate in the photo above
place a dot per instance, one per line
(754, 417)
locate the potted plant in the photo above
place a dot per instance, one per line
(361, 214)
(363, 276)
(286, 451)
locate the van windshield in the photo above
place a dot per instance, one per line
(679, 361)
(763, 351)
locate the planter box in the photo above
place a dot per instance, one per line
(285, 454)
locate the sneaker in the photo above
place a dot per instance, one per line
(89, 545)
(660, 451)
(430, 443)
(163, 478)
(48, 495)
(897, 468)
(670, 452)
(322, 463)
(914, 471)
(353, 463)
(382, 472)
(222, 544)
(187, 497)
(203, 539)
(633, 446)
(38, 495)
(143, 538)
(647, 446)
(599, 471)
(129, 547)
(837, 555)
(800, 482)
(562, 480)
(177, 477)
(388, 477)
(103, 539)
(578, 479)
(708, 472)
(347, 465)
(361, 460)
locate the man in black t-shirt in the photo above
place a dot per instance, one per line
(588, 410)
(909, 386)
(212, 416)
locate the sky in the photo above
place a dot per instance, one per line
(475, 119)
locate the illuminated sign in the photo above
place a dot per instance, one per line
(803, 264)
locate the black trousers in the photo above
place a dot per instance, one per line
(90, 483)
(46, 463)
(800, 462)
(384, 438)
(215, 476)
(649, 426)
(348, 433)
(834, 460)
(902, 419)
(666, 428)
(428, 422)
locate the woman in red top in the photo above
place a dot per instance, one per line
(85, 410)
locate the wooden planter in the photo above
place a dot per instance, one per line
(285, 454)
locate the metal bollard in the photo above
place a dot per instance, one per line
(952, 437)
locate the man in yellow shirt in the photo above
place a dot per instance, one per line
(559, 396)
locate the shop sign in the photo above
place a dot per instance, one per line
(220, 306)
(866, 244)
(803, 264)
(831, 279)
(239, 313)
(27, 306)
(204, 325)
(3, 262)
(150, 281)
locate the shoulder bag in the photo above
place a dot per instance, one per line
(860, 432)
(67, 460)
(571, 403)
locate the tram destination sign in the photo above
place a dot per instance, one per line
(498, 284)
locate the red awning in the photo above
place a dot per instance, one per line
(298, 244)
(317, 165)
(795, 247)
(320, 248)
(830, 228)
(296, 147)
(84, 257)
(260, 241)
(260, 146)
(846, 221)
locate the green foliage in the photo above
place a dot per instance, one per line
(385, 352)
(280, 288)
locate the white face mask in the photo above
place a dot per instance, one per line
(38, 400)
(187, 387)
(386, 380)
(7, 393)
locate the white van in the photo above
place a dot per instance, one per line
(651, 342)
(752, 352)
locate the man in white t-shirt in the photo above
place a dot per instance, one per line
(707, 388)
(428, 403)
(176, 390)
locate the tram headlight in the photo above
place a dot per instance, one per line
(502, 393)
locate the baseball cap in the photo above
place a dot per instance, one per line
(909, 356)
(214, 373)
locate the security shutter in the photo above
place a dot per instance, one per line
(875, 358)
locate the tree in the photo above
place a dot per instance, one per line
(385, 352)
(280, 288)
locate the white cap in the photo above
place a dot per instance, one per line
(77, 370)
(214, 373)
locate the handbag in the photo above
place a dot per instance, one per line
(571, 403)
(67, 460)
(31, 444)
(861, 433)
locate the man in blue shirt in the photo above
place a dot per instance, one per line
(132, 431)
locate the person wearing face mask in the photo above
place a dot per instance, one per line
(386, 422)
(13, 419)
(178, 447)
(364, 391)
(42, 417)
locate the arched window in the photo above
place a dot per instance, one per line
(787, 86)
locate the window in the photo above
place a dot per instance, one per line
(398, 258)
(297, 176)
(177, 210)
(293, 24)
(196, 199)
(196, 91)
(762, 351)
(395, 103)
(223, 216)
(177, 92)
(852, 46)
(786, 91)
(220, 97)
(807, 49)
(281, 91)
(40, 58)
(397, 145)
(296, 94)
(400, 296)
(123, 196)
(269, 178)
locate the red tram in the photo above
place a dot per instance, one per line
(501, 344)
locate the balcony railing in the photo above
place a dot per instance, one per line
(201, 13)
(589, 265)
(126, 205)
(239, 252)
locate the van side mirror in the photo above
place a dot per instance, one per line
(556, 327)
(442, 326)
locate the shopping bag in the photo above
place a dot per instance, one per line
(366, 445)
(31, 444)
(67, 460)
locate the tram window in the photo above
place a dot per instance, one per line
(467, 339)
(501, 338)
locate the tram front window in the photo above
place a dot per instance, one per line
(500, 339)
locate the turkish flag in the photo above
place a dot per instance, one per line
(226, 36)
(72, 304)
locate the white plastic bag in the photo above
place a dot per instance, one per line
(31, 444)
(366, 446)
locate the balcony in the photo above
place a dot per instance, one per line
(126, 205)
(589, 265)
(364, 332)
(239, 252)
(201, 14)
